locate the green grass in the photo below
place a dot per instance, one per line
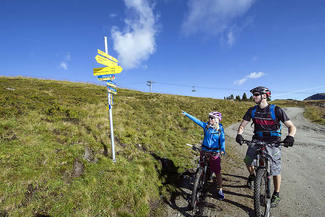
(314, 109)
(46, 126)
(316, 114)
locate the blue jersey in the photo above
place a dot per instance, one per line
(214, 140)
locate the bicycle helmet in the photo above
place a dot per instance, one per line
(261, 90)
(215, 114)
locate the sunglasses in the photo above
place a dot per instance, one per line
(256, 94)
(210, 117)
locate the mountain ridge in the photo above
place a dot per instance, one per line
(317, 96)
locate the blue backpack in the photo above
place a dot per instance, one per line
(272, 111)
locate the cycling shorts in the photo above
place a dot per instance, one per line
(275, 158)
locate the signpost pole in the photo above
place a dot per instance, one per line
(110, 111)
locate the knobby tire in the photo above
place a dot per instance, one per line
(260, 186)
(197, 189)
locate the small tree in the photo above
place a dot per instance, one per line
(238, 98)
(231, 96)
(244, 98)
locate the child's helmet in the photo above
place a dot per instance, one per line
(215, 114)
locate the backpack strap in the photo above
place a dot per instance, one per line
(220, 141)
(273, 116)
(272, 111)
(253, 111)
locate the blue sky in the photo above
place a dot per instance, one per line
(220, 47)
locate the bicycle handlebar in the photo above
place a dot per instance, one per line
(261, 142)
(199, 149)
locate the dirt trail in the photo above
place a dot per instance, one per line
(303, 177)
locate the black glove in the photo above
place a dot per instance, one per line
(239, 139)
(288, 141)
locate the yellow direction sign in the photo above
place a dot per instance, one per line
(110, 84)
(107, 70)
(106, 55)
(104, 61)
(111, 91)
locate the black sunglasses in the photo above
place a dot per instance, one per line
(256, 94)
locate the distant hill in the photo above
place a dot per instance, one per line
(317, 96)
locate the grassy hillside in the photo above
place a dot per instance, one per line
(55, 153)
(316, 113)
(314, 109)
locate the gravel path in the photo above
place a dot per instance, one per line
(303, 177)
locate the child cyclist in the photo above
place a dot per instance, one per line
(214, 141)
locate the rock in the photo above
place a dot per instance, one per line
(78, 168)
(89, 155)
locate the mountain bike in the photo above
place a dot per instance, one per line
(262, 182)
(202, 175)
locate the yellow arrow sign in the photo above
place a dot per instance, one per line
(111, 91)
(106, 55)
(104, 61)
(107, 70)
(110, 84)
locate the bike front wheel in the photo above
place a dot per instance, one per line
(197, 189)
(261, 199)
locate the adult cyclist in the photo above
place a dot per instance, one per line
(267, 128)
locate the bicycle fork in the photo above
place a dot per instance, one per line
(268, 185)
(262, 162)
(268, 180)
(205, 178)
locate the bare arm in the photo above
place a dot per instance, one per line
(291, 128)
(242, 126)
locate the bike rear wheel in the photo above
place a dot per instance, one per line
(261, 200)
(198, 188)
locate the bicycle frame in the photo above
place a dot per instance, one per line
(262, 171)
(262, 162)
(205, 162)
(203, 173)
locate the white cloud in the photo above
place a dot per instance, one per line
(252, 75)
(65, 62)
(112, 15)
(255, 75)
(137, 42)
(64, 65)
(215, 17)
(241, 81)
